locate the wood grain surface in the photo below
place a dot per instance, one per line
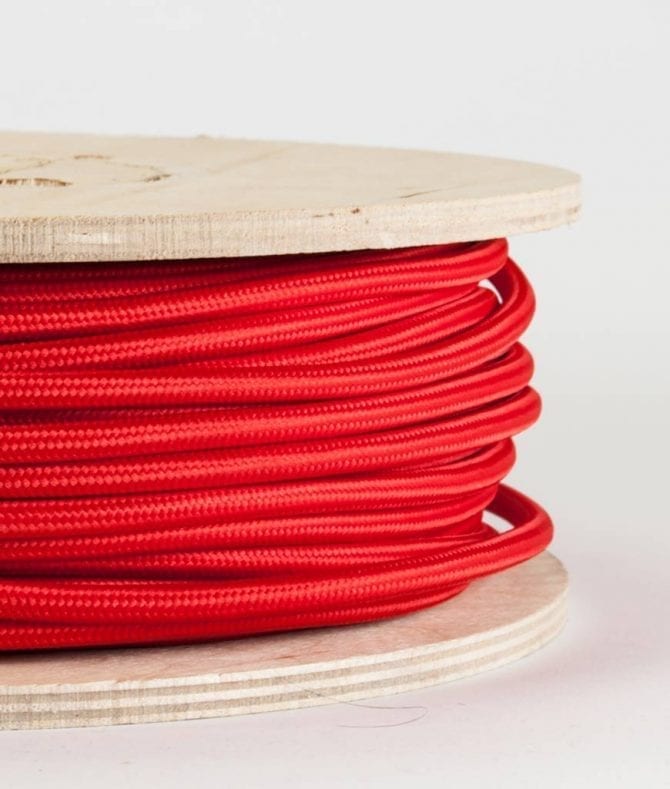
(68, 197)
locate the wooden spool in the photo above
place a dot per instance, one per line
(91, 198)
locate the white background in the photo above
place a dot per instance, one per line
(578, 84)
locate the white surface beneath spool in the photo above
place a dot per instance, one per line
(495, 621)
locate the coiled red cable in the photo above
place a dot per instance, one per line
(203, 449)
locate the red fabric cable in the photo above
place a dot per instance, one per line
(204, 449)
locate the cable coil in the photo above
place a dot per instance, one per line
(204, 449)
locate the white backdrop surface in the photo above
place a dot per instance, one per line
(582, 85)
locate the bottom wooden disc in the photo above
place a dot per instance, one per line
(495, 621)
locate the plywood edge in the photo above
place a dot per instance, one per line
(79, 239)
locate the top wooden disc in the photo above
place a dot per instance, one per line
(81, 197)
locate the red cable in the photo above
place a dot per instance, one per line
(202, 449)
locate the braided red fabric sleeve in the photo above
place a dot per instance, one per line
(205, 449)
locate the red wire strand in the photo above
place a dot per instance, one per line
(204, 449)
